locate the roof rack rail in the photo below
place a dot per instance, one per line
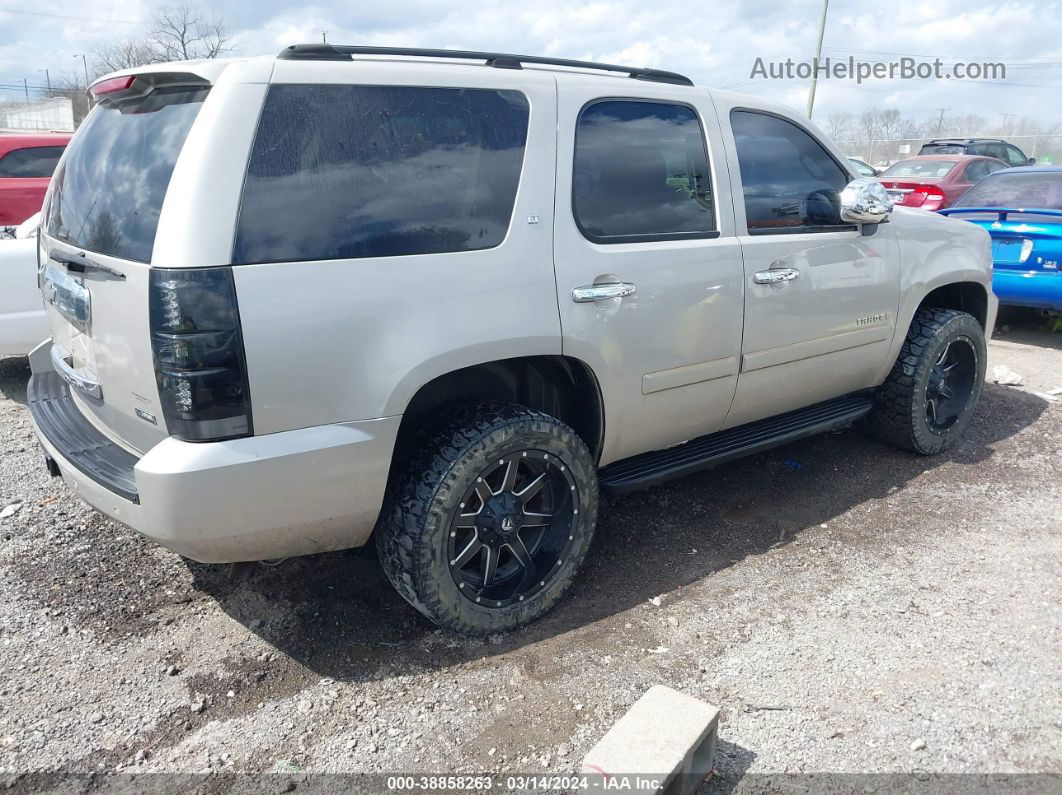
(499, 60)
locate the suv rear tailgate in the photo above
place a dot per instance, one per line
(96, 242)
(101, 343)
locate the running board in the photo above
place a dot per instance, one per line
(648, 469)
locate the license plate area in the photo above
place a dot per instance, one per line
(70, 297)
(1006, 252)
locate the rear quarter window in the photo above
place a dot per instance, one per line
(348, 171)
(31, 161)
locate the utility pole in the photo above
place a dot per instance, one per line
(84, 62)
(818, 54)
(940, 121)
(47, 80)
(1005, 117)
(324, 37)
(25, 87)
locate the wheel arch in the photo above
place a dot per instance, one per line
(965, 296)
(964, 291)
(561, 386)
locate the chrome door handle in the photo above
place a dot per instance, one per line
(776, 276)
(79, 379)
(595, 292)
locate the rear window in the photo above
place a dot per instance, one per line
(943, 149)
(107, 195)
(342, 171)
(1033, 190)
(33, 161)
(924, 168)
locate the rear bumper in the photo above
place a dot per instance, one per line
(1037, 289)
(292, 493)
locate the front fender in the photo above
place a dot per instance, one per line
(936, 251)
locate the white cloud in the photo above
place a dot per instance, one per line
(716, 44)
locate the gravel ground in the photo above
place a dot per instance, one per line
(849, 607)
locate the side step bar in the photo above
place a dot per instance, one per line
(648, 469)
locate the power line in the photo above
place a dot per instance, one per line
(34, 87)
(70, 16)
(926, 55)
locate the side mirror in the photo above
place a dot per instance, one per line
(865, 201)
(1032, 161)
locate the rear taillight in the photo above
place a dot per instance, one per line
(928, 197)
(197, 344)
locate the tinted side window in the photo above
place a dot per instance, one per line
(341, 171)
(34, 161)
(998, 151)
(993, 166)
(977, 170)
(1015, 157)
(641, 172)
(790, 182)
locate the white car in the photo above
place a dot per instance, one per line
(23, 323)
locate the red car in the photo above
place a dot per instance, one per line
(933, 182)
(27, 161)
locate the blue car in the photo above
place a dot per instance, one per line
(1022, 209)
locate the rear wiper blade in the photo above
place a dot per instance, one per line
(84, 264)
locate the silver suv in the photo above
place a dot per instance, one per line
(444, 298)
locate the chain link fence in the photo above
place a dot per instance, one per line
(1047, 149)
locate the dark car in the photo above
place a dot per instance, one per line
(27, 161)
(933, 182)
(985, 147)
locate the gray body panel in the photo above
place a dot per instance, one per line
(666, 358)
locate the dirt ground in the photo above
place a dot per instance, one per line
(850, 608)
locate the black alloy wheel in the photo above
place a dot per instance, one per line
(513, 528)
(930, 395)
(950, 385)
(489, 517)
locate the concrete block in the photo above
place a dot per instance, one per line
(664, 743)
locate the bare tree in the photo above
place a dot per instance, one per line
(889, 122)
(181, 33)
(72, 86)
(870, 125)
(178, 33)
(840, 125)
(124, 54)
(967, 124)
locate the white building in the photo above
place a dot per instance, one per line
(55, 113)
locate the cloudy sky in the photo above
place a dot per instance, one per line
(715, 43)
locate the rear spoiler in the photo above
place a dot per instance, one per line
(1002, 212)
(137, 86)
